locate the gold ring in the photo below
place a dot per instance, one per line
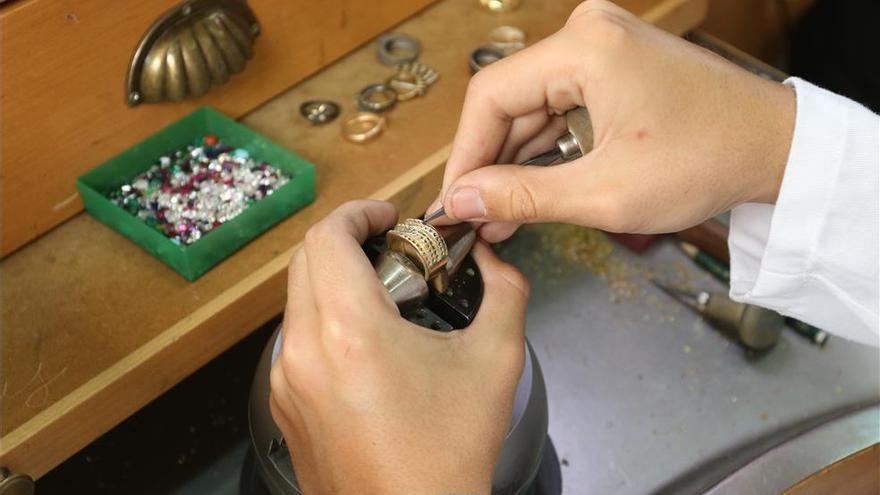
(421, 243)
(363, 126)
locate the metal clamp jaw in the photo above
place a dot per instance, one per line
(428, 274)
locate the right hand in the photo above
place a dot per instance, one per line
(680, 134)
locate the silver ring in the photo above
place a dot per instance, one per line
(483, 56)
(319, 111)
(397, 48)
(508, 39)
(376, 98)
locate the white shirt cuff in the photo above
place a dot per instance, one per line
(813, 255)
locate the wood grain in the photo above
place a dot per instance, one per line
(94, 328)
(62, 87)
(857, 474)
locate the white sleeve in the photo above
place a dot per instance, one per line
(814, 254)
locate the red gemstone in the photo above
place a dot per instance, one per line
(210, 140)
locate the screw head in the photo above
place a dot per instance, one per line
(134, 98)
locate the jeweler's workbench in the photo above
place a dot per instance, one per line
(645, 397)
(94, 328)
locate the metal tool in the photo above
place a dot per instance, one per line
(753, 327)
(574, 144)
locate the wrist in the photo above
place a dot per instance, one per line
(781, 114)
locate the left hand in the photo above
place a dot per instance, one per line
(371, 403)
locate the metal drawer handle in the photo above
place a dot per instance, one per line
(190, 49)
(15, 483)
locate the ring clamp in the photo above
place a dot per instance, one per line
(376, 98)
(483, 56)
(397, 48)
(363, 126)
(319, 111)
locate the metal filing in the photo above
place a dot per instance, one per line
(572, 145)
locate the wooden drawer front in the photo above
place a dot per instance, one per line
(62, 87)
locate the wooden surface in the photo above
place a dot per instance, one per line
(94, 328)
(62, 87)
(857, 474)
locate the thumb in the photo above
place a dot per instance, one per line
(514, 193)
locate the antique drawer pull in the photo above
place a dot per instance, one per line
(191, 48)
(15, 483)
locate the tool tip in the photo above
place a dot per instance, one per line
(434, 216)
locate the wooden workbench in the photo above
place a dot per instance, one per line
(93, 327)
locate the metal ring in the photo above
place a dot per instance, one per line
(363, 126)
(421, 243)
(397, 48)
(319, 111)
(376, 98)
(407, 86)
(499, 6)
(508, 39)
(483, 56)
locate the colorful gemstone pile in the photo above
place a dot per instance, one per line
(192, 191)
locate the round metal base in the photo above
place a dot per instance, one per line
(547, 482)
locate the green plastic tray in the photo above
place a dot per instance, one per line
(194, 260)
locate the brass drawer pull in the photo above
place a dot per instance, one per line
(190, 49)
(15, 483)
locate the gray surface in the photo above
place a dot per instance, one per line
(645, 397)
(791, 462)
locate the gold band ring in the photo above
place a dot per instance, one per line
(363, 126)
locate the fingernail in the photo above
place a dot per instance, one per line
(467, 203)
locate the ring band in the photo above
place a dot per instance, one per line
(412, 80)
(499, 6)
(421, 243)
(363, 126)
(319, 111)
(508, 39)
(483, 56)
(397, 48)
(407, 87)
(376, 98)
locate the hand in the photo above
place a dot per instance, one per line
(680, 134)
(371, 403)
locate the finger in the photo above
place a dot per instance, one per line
(341, 277)
(531, 79)
(493, 232)
(522, 129)
(505, 294)
(512, 193)
(543, 141)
